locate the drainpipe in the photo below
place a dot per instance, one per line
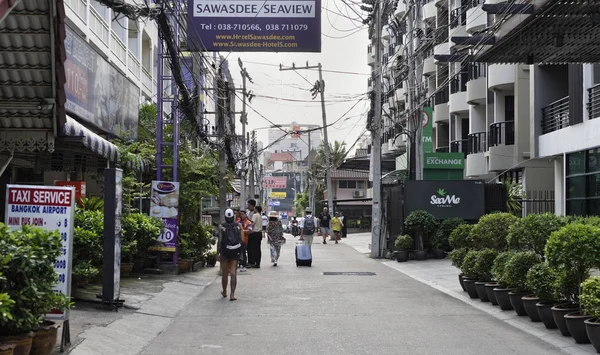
(10, 158)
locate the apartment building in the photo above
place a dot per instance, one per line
(283, 139)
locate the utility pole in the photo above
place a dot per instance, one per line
(320, 88)
(244, 121)
(251, 163)
(376, 138)
(412, 121)
(221, 139)
(310, 193)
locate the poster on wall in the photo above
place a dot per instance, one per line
(254, 25)
(97, 92)
(53, 209)
(164, 203)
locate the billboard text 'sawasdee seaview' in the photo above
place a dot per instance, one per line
(255, 25)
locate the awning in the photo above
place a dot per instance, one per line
(95, 143)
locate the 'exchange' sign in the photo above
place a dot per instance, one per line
(255, 25)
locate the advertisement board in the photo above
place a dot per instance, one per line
(444, 161)
(427, 129)
(446, 198)
(254, 25)
(278, 195)
(80, 187)
(51, 208)
(97, 92)
(275, 182)
(164, 203)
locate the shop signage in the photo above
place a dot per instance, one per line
(51, 208)
(278, 195)
(254, 25)
(80, 188)
(275, 203)
(164, 203)
(97, 92)
(427, 129)
(444, 161)
(446, 198)
(275, 182)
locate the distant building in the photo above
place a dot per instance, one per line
(283, 139)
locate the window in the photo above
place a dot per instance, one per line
(360, 185)
(351, 184)
(583, 183)
(343, 184)
(509, 108)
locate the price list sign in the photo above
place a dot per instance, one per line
(51, 208)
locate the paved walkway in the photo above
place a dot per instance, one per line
(290, 310)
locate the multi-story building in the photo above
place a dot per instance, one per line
(283, 139)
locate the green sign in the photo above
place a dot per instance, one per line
(444, 161)
(427, 129)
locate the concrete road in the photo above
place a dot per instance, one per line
(290, 310)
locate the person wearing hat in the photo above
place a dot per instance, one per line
(228, 252)
(275, 236)
(308, 226)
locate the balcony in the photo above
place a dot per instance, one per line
(147, 80)
(556, 116)
(501, 76)
(441, 111)
(133, 64)
(400, 9)
(476, 143)
(429, 11)
(458, 93)
(502, 133)
(445, 149)
(459, 146)
(593, 105)
(428, 64)
(79, 7)
(99, 27)
(476, 90)
(476, 17)
(476, 164)
(442, 48)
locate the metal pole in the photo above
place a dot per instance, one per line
(251, 161)
(328, 163)
(221, 134)
(376, 136)
(310, 193)
(244, 121)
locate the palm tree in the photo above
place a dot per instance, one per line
(337, 152)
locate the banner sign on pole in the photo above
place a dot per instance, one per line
(278, 195)
(254, 25)
(275, 182)
(164, 203)
(50, 208)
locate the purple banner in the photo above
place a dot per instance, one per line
(168, 237)
(254, 25)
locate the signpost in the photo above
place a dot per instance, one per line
(50, 208)
(111, 266)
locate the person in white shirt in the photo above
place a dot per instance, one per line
(265, 221)
(308, 226)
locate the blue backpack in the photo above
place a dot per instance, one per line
(309, 225)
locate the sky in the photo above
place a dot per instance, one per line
(343, 48)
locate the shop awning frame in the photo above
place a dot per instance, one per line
(76, 131)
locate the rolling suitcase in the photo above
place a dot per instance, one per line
(303, 254)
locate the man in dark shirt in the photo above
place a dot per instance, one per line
(325, 224)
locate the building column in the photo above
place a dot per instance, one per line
(559, 186)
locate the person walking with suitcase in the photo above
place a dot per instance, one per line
(308, 226)
(228, 252)
(255, 239)
(275, 236)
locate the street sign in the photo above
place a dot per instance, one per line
(275, 203)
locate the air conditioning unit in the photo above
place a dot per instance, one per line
(358, 193)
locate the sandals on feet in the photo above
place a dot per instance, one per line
(233, 299)
(224, 294)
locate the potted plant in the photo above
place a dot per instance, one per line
(460, 238)
(484, 265)
(139, 234)
(500, 290)
(421, 225)
(7, 349)
(477, 267)
(88, 246)
(541, 280)
(440, 242)
(532, 232)
(6, 306)
(574, 250)
(403, 244)
(211, 259)
(515, 276)
(590, 301)
(457, 257)
(469, 269)
(491, 231)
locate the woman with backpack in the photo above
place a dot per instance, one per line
(275, 236)
(229, 249)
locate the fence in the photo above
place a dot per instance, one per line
(537, 202)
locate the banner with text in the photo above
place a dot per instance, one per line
(275, 182)
(50, 208)
(254, 25)
(427, 129)
(164, 203)
(278, 195)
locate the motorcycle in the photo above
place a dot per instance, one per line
(295, 230)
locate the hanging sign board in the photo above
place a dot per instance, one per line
(53, 209)
(275, 182)
(164, 204)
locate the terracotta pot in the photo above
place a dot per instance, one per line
(183, 265)
(529, 302)
(576, 325)
(22, 342)
(559, 312)
(545, 312)
(592, 327)
(44, 339)
(126, 269)
(7, 349)
(489, 289)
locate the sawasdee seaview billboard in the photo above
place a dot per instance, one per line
(254, 25)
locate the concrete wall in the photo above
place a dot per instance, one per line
(522, 114)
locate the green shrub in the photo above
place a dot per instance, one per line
(541, 280)
(477, 264)
(461, 237)
(198, 239)
(575, 247)
(421, 225)
(590, 296)
(532, 232)
(515, 271)
(140, 232)
(491, 231)
(469, 265)
(442, 235)
(567, 286)
(499, 267)
(88, 244)
(458, 256)
(404, 242)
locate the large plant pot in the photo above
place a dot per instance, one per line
(558, 313)
(439, 253)
(471, 288)
(421, 255)
(460, 280)
(517, 302)
(44, 339)
(183, 265)
(480, 287)
(7, 349)
(489, 289)
(503, 299)
(402, 256)
(529, 302)
(592, 327)
(126, 269)
(545, 313)
(22, 342)
(576, 325)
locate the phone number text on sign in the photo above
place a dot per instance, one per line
(51, 208)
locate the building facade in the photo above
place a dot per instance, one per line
(282, 139)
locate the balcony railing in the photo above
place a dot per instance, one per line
(133, 64)
(476, 143)
(442, 96)
(477, 70)
(594, 101)
(118, 48)
(458, 17)
(555, 116)
(459, 83)
(147, 79)
(502, 133)
(369, 49)
(459, 146)
(79, 7)
(99, 26)
(445, 149)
